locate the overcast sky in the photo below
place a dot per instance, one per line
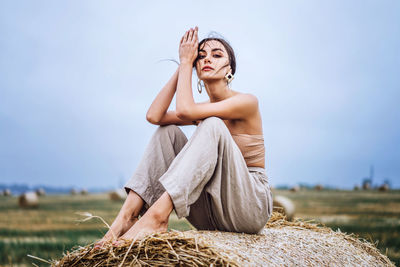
(77, 77)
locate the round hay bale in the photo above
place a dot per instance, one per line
(281, 243)
(366, 186)
(285, 206)
(295, 188)
(7, 193)
(383, 188)
(84, 192)
(118, 194)
(40, 192)
(28, 200)
(73, 192)
(319, 187)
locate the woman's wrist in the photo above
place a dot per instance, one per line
(186, 63)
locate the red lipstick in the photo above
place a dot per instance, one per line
(207, 68)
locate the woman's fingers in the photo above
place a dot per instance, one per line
(196, 33)
(189, 45)
(190, 38)
(183, 38)
(190, 35)
(186, 36)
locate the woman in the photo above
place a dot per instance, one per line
(217, 178)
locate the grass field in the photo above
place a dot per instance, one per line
(52, 228)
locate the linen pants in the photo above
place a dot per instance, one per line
(206, 177)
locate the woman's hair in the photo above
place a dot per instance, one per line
(228, 47)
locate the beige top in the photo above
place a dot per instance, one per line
(251, 146)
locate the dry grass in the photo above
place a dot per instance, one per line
(51, 228)
(282, 242)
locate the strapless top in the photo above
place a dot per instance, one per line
(251, 146)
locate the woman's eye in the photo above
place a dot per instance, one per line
(203, 56)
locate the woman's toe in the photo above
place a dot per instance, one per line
(117, 243)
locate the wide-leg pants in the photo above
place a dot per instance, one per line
(206, 177)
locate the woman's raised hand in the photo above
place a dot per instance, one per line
(188, 46)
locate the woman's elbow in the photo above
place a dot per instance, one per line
(183, 114)
(152, 119)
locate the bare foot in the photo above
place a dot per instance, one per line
(148, 224)
(118, 228)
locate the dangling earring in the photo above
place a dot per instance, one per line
(229, 77)
(199, 86)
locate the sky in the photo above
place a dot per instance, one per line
(77, 78)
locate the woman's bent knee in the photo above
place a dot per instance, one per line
(169, 130)
(213, 123)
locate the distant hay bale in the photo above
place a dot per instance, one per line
(119, 194)
(7, 193)
(383, 188)
(73, 192)
(28, 200)
(295, 188)
(40, 192)
(84, 192)
(319, 187)
(281, 243)
(285, 206)
(366, 185)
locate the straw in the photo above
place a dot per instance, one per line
(280, 243)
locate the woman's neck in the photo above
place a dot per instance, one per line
(217, 90)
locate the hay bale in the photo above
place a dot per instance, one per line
(295, 188)
(7, 193)
(281, 243)
(118, 195)
(366, 186)
(383, 188)
(73, 192)
(28, 200)
(285, 206)
(40, 192)
(84, 192)
(319, 187)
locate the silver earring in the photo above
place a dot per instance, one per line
(229, 77)
(199, 86)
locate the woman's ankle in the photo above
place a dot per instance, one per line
(128, 218)
(121, 225)
(160, 216)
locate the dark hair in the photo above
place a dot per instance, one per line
(228, 47)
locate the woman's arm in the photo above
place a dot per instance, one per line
(157, 113)
(159, 107)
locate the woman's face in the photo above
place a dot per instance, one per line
(213, 61)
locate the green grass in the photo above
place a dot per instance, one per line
(51, 229)
(50, 247)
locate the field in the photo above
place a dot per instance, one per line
(52, 228)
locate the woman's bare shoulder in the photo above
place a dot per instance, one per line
(250, 98)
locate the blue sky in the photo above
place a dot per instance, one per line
(77, 77)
